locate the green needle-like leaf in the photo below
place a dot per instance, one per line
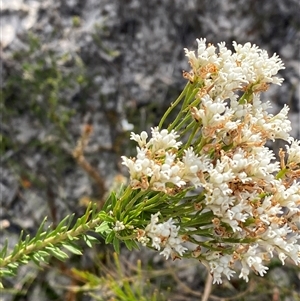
(40, 230)
(116, 244)
(56, 252)
(4, 249)
(73, 249)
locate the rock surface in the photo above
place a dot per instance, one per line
(124, 62)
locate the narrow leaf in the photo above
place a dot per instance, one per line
(73, 249)
(40, 229)
(116, 244)
(36, 259)
(110, 237)
(105, 217)
(61, 226)
(92, 239)
(7, 273)
(104, 227)
(12, 265)
(4, 249)
(86, 240)
(59, 254)
(24, 259)
(71, 217)
(26, 241)
(71, 238)
(18, 246)
(131, 244)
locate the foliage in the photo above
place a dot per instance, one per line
(49, 243)
(115, 283)
(42, 77)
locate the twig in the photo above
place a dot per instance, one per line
(276, 295)
(54, 239)
(82, 162)
(207, 288)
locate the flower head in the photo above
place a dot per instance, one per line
(165, 235)
(237, 205)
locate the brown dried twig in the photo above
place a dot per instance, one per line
(78, 154)
(207, 288)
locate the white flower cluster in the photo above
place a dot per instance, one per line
(241, 184)
(293, 151)
(255, 200)
(219, 264)
(156, 165)
(226, 72)
(119, 226)
(164, 235)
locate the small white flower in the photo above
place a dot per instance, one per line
(204, 56)
(143, 240)
(165, 235)
(293, 151)
(140, 139)
(253, 259)
(283, 241)
(192, 164)
(219, 264)
(257, 65)
(213, 113)
(279, 126)
(163, 140)
(288, 197)
(119, 226)
(282, 257)
(244, 273)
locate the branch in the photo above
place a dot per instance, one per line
(49, 242)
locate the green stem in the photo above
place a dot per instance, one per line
(122, 201)
(191, 137)
(173, 105)
(188, 128)
(34, 247)
(183, 122)
(281, 173)
(246, 96)
(199, 144)
(191, 93)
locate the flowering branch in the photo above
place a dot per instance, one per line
(205, 186)
(227, 201)
(49, 243)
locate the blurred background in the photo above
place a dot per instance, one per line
(114, 66)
